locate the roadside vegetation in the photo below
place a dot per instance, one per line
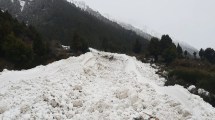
(184, 68)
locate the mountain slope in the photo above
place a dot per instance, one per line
(96, 85)
(86, 8)
(59, 19)
(187, 47)
(147, 35)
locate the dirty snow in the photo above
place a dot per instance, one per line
(96, 85)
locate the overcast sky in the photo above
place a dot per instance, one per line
(192, 21)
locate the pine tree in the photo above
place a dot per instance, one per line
(78, 44)
(170, 54)
(194, 54)
(104, 44)
(185, 53)
(20, 45)
(137, 47)
(209, 54)
(201, 53)
(165, 42)
(154, 48)
(16, 51)
(179, 51)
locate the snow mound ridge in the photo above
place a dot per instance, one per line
(96, 85)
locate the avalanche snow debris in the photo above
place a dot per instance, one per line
(191, 87)
(200, 90)
(77, 103)
(93, 87)
(203, 92)
(22, 4)
(3, 107)
(122, 93)
(77, 87)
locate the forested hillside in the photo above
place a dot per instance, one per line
(60, 20)
(20, 45)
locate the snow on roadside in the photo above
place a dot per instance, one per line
(96, 85)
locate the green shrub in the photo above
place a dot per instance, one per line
(191, 76)
(207, 84)
(17, 51)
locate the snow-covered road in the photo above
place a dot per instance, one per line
(96, 85)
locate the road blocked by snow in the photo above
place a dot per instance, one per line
(96, 85)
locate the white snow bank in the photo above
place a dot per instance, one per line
(96, 85)
(22, 4)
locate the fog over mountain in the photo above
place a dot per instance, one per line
(22, 8)
(188, 21)
(145, 32)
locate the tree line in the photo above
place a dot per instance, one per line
(207, 54)
(165, 50)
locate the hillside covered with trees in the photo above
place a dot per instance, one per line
(20, 46)
(59, 20)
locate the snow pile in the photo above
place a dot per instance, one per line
(200, 91)
(22, 4)
(96, 85)
(80, 4)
